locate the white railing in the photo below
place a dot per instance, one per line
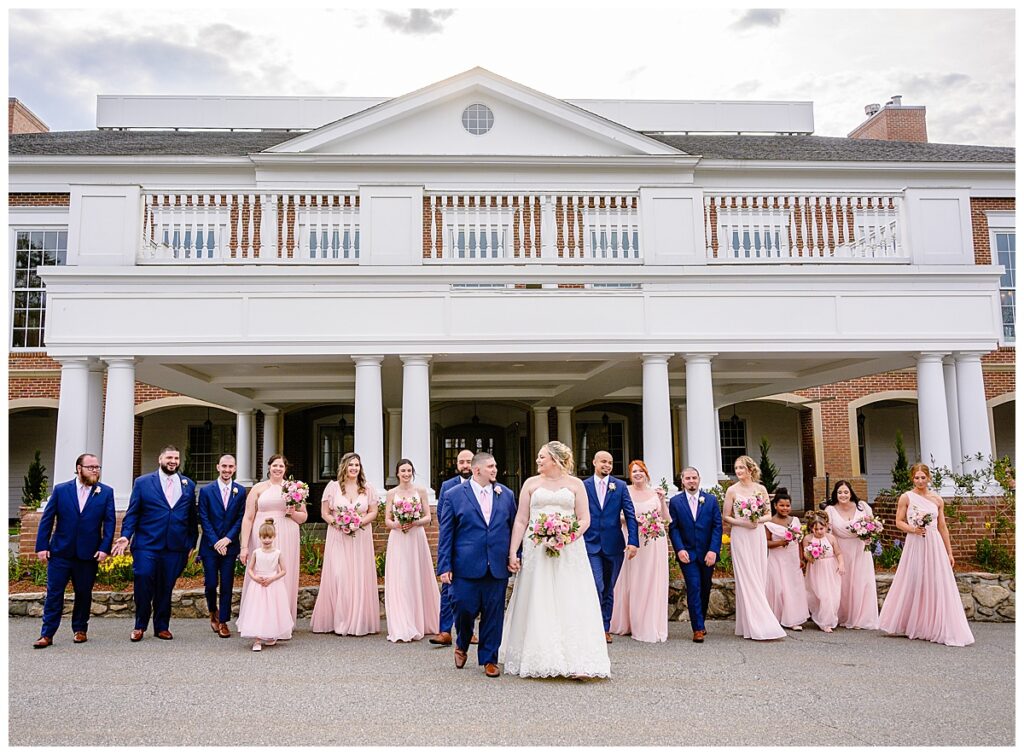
(798, 227)
(521, 227)
(249, 226)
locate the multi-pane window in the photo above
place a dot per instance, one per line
(33, 249)
(333, 441)
(477, 119)
(206, 444)
(1006, 255)
(604, 435)
(734, 441)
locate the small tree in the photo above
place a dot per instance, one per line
(769, 472)
(33, 491)
(901, 469)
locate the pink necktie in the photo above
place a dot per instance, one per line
(693, 506)
(224, 494)
(604, 490)
(169, 493)
(485, 505)
(83, 496)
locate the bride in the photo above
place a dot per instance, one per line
(553, 624)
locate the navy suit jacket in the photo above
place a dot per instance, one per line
(448, 484)
(153, 523)
(604, 535)
(77, 534)
(467, 546)
(218, 522)
(695, 537)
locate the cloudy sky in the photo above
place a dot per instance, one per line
(960, 64)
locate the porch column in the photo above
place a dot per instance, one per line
(952, 412)
(394, 443)
(933, 421)
(94, 431)
(369, 418)
(682, 442)
(416, 415)
(720, 471)
(975, 437)
(119, 428)
(270, 421)
(540, 427)
(701, 419)
(657, 418)
(243, 447)
(72, 418)
(565, 424)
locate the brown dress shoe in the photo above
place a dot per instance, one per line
(137, 635)
(223, 631)
(698, 636)
(42, 642)
(474, 640)
(492, 670)
(460, 658)
(215, 621)
(444, 638)
(608, 637)
(163, 634)
(81, 637)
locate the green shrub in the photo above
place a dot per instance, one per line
(769, 472)
(890, 555)
(381, 560)
(33, 489)
(994, 556)
(311, 552)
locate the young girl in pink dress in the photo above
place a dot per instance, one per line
(858, 601)
(264, 612)
(824, 572)
(347, 602)
(923, 601)
(640, 605)
(412, 601)
(786, 592)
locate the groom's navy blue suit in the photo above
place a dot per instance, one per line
(698, 538)
(476, 553)
(605, 545)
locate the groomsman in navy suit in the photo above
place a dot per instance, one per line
(221, 506)
(76, 531)
(162, 527)
(464, 468)
(609, 500)
(696, 533)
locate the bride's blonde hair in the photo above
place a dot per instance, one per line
(562, 455)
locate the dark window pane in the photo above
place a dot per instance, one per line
(22, 240)
(21, 261)
(36, 239)
(21, 299)
(33, 338)
(20, 279)
(50, 240)
(18, 341)
(20, 318)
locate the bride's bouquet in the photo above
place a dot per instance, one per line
(554, 532)
(868, 530)
(294, 492)
(347, 519)
(753, 508)
(407, 510)
(651, 525)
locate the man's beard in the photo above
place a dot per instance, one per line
(466, 474)
(168, 471)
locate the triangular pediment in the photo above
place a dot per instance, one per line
(429, 121)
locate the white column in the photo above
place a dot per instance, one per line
(416, 415)
(718, 449)
(975, 436)
(243, 447)
(701, 419)
(72, 418)
(657, 417)
(952, 412)
(394, 443)
(683, 443)
(369, 418)
(564, 424)
(933, 422)
(119, 428)
(270, 420)
(540, 427)
(94, 428)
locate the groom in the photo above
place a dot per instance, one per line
(696, 532)
(472, 556)
(609, 500)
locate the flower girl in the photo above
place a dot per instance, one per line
(264, 613)
(824, 572)
(785, 586)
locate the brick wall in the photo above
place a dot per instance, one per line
(963, 535)
(39, 200)
(904, 123)
(21, 120)
(979, 225)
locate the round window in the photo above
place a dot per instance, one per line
(477, 119)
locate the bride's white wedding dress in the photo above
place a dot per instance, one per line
(553, 624)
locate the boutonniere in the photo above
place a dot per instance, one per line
(96, 490)
(611, 486)
(184, 481)
(234, 491)
(497, 490)
(700, 500)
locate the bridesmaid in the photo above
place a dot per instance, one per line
(749, 545)
(923, 601)
(640, 604)
(824, 573)
(347, 602)
(786, 592)
(266, 501)
(412, 601)
(858, 602)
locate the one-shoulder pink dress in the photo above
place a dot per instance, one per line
(785, 586)
(754, 617)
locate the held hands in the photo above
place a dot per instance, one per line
(513, 564)
(631, 552)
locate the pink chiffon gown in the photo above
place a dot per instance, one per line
(858, 601)
(923, 602)
(264, 612)
(347, 602)
(412, 600)
(754, 617)
(823, 586)
(271, 505)
(787, 595)
(640, 606)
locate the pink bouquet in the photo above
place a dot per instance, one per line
(816, 549)
(918, 519)
(651, 525)
(294, 492)
(407, 510)
(554, 532)
(751, 508)
(346, 519)
(868, 530)
(794, 533)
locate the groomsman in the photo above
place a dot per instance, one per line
(464, 470)
(609, 501)
(76, 531)
(696, 533)
(162, 527)
(221, 506)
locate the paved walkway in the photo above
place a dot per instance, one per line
(849, 688)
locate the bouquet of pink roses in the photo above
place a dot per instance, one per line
(651, 525)
(816, 549)
(346, 519)
(554, 532)
(294, 491)
(794, 533)
(918, 518)
(407, 510)
(868, 530)
(753, 508)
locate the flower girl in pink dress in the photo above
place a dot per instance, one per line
(824, 572)
(785, 587)
(264, 612)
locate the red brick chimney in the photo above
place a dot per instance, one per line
(21, 120)
(895, 122)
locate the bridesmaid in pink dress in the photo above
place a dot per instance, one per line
(266, 501)
(923, 601)
(858, 602)
(412, 600)
(824, 573)
(786, 592)
(749, 546)
(640, 604)
(347, 602)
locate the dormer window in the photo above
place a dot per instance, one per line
(477, 119)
